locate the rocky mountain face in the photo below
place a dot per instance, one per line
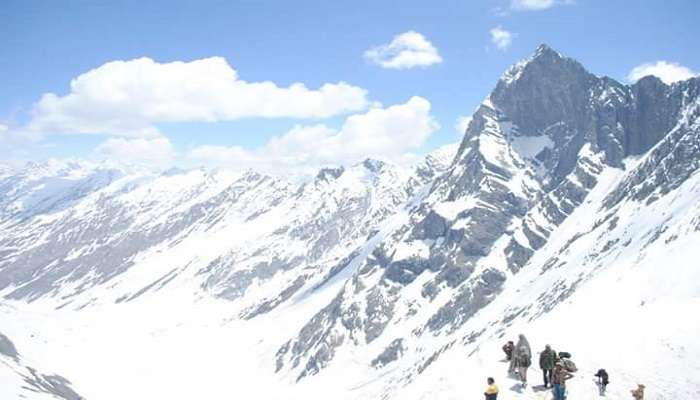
(531, 155)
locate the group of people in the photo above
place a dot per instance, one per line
(556, 368)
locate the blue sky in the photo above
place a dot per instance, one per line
(396, 112)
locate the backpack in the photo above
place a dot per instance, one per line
(564, 354)
(523, 357)
(603, 375)
(569, 365)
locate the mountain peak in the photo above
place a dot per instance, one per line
(544, 50)
(544, 57)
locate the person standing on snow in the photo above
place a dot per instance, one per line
(508, 349)
(559, 377)
(491, 392)
(522, 358)
(547, 359)
(603, 380)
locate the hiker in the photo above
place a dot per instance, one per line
(638, 393)
(603, 381)
(559, 377)
(522, 358)
(547, 359)
(491, 392)
(508, 349)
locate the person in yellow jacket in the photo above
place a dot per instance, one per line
(491, 392)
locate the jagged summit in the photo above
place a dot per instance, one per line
(544, 56)
(544, 50)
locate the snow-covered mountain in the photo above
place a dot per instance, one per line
(569, 212)
(533, 153)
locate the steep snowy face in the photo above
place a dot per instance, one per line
(434, 164)
(314, 234)
(624, 258)
(531, 155)
(91, 233)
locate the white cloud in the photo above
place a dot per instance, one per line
(501, 38)
(668, 72)
(407, 50)
(388, 133)
(150, 151)
(462, 123)
(532, 5)
(126, 98)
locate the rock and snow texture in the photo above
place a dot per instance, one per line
(70, 228)
(570, 212)
(20, 381)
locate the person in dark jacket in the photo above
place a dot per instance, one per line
(559, 377)
(508, 349)
(491, 392)
(603, 380)
(547, 359)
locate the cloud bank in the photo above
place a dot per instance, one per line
(389, 133)
(127, 98)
